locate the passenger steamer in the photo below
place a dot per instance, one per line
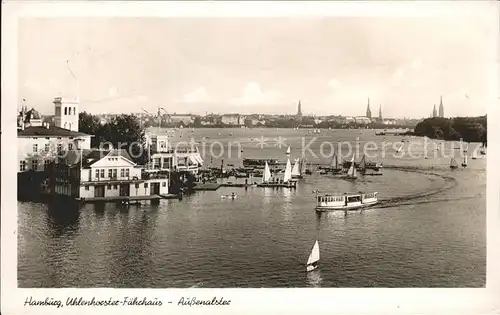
(347, 201)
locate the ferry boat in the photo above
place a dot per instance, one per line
(347, 201)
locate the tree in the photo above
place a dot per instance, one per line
(91, 125)
(123, 132)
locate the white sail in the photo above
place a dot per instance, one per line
(465, 160)
(288, 150)
(399, 149)
(296, 168)
(314, 255)
(267, 174)
(352, 169)
(474, 155)
(288, 171)
(362, 163)
(453, 162)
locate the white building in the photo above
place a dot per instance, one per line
(66, 113)
(38, 143)
(233, 119)
(362, 120)
(105, 174)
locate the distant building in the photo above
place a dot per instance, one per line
(233, 119)
(434, 112)
(380, 113)
(441, 108)
(177, 118)
(299, 110)
(349, 120)
(389, 121)
(362, 120)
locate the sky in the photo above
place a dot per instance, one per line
(259, 65)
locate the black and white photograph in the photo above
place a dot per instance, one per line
(224, 152)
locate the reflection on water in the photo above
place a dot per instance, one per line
(314, 278)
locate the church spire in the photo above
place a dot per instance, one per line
(380, 112)
(441, 108)
(434, 112)
(368, 111)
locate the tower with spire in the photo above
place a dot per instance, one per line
(434, 112)
(441, 108)
(380, 112)
(299, 110)
(368, 111)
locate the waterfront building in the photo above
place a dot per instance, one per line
(349, 120)
(441, 108)
(38, 142)
(102, 174)
(164, 158)
(389, 121)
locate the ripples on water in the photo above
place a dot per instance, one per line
(263, 238)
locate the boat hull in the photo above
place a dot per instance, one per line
(345, 208)
(311, 268)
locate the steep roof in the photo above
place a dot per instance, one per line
(52, 131)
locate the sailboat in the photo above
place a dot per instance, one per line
(362, 163)
(312, 261)
(474, 155)
(351, 173)
(464, 163)
(453, 163)
(266, 177)
(399, 149)
(296, 172)
(288, 172)
(335, 164)
(288, 150)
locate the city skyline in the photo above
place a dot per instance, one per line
(120, 65)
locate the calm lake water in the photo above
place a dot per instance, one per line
(430, 231)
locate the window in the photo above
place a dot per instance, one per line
(59, 147)
(164, 184)
(115, 186)
(35, 148)
(136, 185)
(34, 165)
(102, 173)
(115, 173)
(87, 188)
(70, 146)
(65, 111)
(145, 185)
(110, 173)
(122, 172)
(47, 147)
(127, 172)
(22, 165)
(74, 110)
(46, 164)
(109, 187)
(97, 173)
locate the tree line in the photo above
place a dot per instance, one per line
(124, 130)
(470, 129)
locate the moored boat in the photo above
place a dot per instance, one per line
(347, 201)
(453, 163)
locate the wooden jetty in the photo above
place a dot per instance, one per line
(207, 187)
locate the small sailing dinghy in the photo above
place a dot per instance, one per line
(288, 150)
(296, 169)
(312, 261)
(464, 163)
(287, 177)
(231, 196)
(453, 164)
(351, 173)
(266, 177)
(474, 155)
